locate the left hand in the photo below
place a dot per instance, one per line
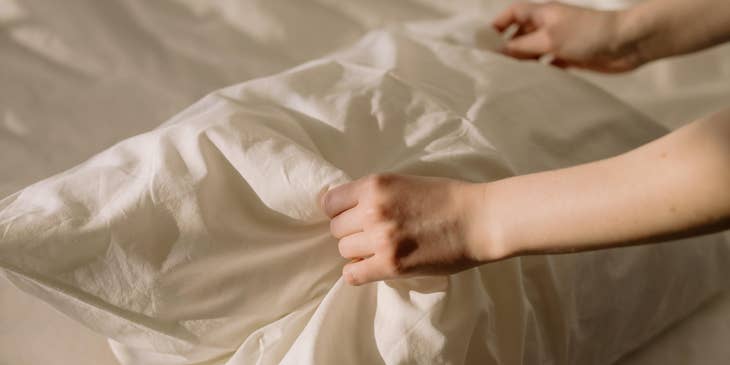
(576, 37)
(392, 226)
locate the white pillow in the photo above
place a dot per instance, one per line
(201, 242)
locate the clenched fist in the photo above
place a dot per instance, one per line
(393, 226)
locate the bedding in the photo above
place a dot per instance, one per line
(200, 242)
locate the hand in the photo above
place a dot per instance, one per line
(576, 37)
(392, 226)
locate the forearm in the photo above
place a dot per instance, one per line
(676, 186)
(663, 28)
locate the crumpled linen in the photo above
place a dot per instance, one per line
(201, 242)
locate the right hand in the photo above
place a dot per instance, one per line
(576, 37)
(395, 226)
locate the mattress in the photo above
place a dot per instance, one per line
(133, 64)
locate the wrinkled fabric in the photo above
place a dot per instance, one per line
(201, 242)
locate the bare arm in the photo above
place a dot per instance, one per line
(676, 186)
(662, 28)
(615, 41)
(393, 226)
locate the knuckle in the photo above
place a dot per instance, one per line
(380, 181)
(387, 249)
(382, 244)
(378, 213)
(395, 267)
(372, 182)
(386, 241)
(551, 42)
(390, 234)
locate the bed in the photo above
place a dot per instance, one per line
(80, 76)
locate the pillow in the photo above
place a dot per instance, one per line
(201, 242)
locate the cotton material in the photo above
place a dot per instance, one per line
(202, 242)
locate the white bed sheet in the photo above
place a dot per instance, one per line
(159, 64)
(674, 92)
(149, 53)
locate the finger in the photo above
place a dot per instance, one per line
(347, 222)
(521, 56)
(516, 30)
(517, 13)
(340, 198)
(365, 271)
(524, 29)
(529, 46)
(356, 245)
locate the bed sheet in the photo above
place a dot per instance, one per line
(141, 62)
(138, 56)
(674, 92)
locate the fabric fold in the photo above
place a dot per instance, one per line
(202, 242)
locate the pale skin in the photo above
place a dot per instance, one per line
(392, 226)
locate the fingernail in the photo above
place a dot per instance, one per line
(320, 196)
(348, 277)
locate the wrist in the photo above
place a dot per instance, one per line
(639, 32)
(484, 224)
